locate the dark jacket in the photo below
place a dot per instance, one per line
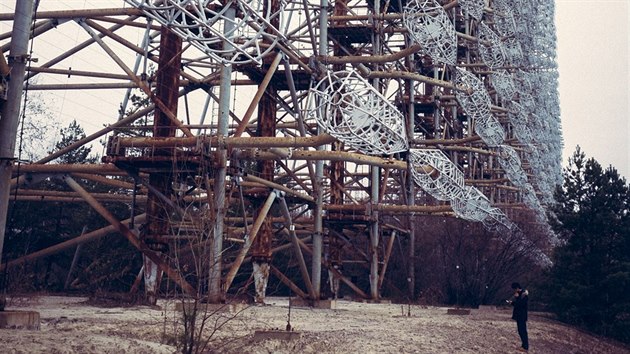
(520, 306)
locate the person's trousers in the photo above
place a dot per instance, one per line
(521, 326)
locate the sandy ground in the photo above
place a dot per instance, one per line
(70, 325)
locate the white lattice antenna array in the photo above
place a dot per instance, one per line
(347, 107)
(518, 119)
(472, 205)
(544, 181)
(504, 84)
(476, 103)
(530, 199)
(524, 10)
(547, 153)
(541, 257)
(437, 175)
(524, 134)
(477, 106)
(497, 220)
(526, 99)
(430, 26)
(518, 36)
(444, 182)
(525, 81)
(511, 164)
(229, 32)
(490, 47)
(490, 130)
(539, 125)
(473, 8)
(504, 18)
(513, 51)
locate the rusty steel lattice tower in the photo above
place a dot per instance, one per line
(318, 123)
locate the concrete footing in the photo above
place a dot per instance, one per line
(19, 320)
(460, 312)
(377, 301)
(321, 304)
(276, 334)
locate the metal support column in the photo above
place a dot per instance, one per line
(337, 176)
(375, 174)
(215, 288)
(158, 223)
(316, 267)
(411, 199)
(374, 233)
(265, 127)
(10, 113)
(261, 249)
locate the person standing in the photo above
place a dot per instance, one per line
(519, 314)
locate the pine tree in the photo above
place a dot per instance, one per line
(69, 135)
(590, 280)
(107, 264)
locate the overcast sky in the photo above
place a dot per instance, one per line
(593, 62)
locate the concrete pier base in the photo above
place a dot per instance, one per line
(276, 334)
(377, 301)
(461, 312)
(321, 304)
(19, 320)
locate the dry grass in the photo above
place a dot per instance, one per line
(69, 325)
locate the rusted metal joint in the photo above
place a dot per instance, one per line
(7, 160)
(22, 59)
(113, 147)
(203, 145)
(221, 142)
